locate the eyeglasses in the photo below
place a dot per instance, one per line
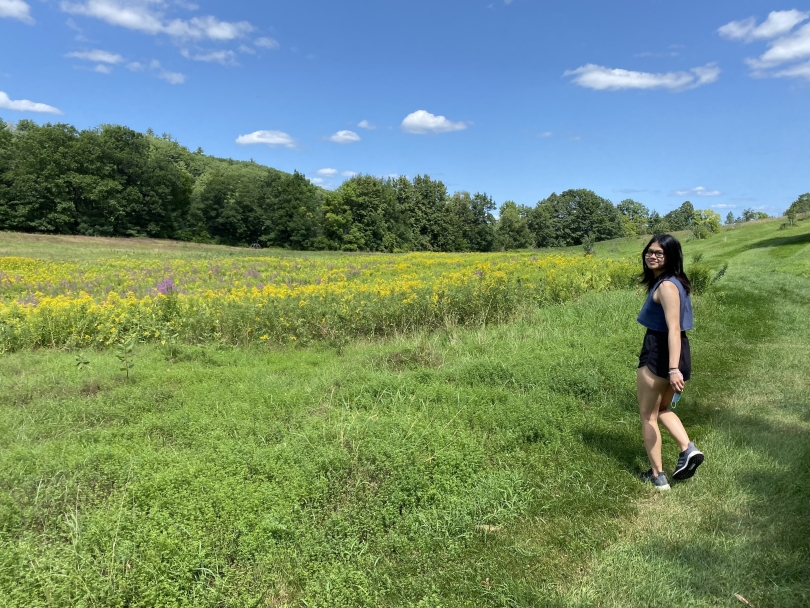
(654, 254)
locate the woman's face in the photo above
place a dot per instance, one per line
(654, 257)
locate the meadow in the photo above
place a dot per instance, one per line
(243, 300)
(447, 459)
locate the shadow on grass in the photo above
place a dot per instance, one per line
(771, 566)
(797, 239)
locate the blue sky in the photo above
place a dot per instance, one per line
(650, 100)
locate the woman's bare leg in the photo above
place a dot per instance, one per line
(670, 420)
(649, 390)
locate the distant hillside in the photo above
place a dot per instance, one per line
(113, 181)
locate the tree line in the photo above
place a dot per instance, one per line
(114, 181)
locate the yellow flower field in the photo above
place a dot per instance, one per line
(273, 299)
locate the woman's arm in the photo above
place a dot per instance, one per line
(670, 299)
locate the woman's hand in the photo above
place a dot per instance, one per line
(676, 380)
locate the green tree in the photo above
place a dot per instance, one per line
(292, 210)
(575, 214)
(39, 190)
(730, 218)
(749, 215)
(635, 217)
(658, 224)
(705, 222)
(470, 223)
(427, 213)
(801, 205)
(512, 229)
(680, 218)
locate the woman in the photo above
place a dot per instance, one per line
(665, 362)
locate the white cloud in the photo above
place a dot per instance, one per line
(316, 180)
(699, 191)
(724, 206)
(243, 48)
(801, 70)
(349, 174)
(601, 78)
(270, 138)
(327, 172)
(16, 9)
(97, 56)
(777, 24)
(783, 50)
(344, 137)
(24, 105)
(135, 66)
(172, 77)
(163, 74)
(266, 43)
(102, 69)
(364, 124)
(421, 122)
(221, 57)
(145, 16)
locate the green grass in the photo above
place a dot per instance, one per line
(467, 467)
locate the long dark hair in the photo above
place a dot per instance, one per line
(673, 263)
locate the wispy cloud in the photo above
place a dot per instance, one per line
(349, 174)
(801, 70)
(316, 180)
(97, 56)
(16, 9)
(364, 124)
(327, 172)
(146, 16)
(699, 191)
(794, 47)
(601, 78)
(268, 138)
(784, 47)
(421, 122)
(24, 105)
(164, 74)
(172, 77)
(344, 137)
(724, 206)
(545, 134)
(220, 57)
(777, 24)
(267, 43)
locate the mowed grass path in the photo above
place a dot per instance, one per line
(490, 467)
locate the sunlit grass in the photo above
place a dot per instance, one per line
(465, 466)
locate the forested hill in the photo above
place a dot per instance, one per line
(113, 181)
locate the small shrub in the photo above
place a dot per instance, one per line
(588, 245)
(700, 275)
(720, 273)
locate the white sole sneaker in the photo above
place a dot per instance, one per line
(686, 469)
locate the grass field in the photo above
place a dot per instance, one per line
(464, 466)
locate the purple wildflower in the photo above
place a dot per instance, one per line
(167, 287)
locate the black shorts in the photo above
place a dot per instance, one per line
(655, 354)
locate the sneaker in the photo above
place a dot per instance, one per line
(688, 462)
(660, 482)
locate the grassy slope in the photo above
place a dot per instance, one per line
(482, 468)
